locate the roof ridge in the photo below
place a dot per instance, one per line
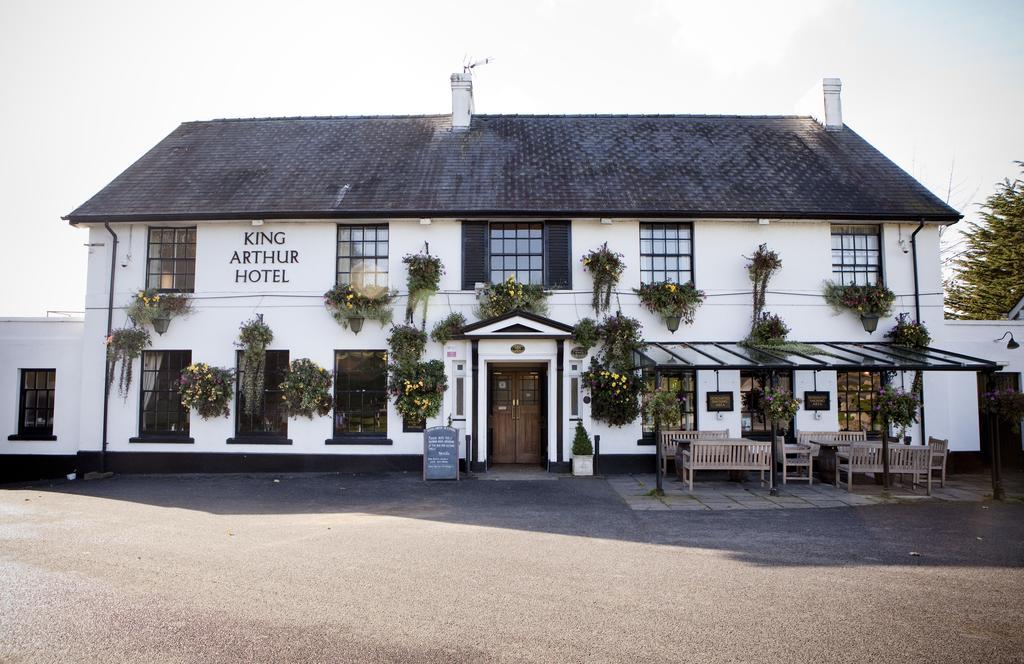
(411, 116)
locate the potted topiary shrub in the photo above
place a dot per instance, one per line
(582, 453)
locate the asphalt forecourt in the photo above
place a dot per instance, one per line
(389, 568)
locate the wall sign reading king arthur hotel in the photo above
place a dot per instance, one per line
(263, 257)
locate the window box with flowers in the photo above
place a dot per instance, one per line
(151, 307)
(495, 300)
(207, 390)
(306, 389)
(351, 305)
(674, 302)
(869, 302)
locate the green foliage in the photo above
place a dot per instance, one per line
(615, 396)
(989, 277)
(662, 406)
(874, 300)
(1007, 404)
(206, 389)
(446, 328)
(150, 303)
(253, 338)
(407, 343)
(510, 295)
(346, 301)
(768, 330)
(909, 333)
(778, 406)
(605, 266)
(896, 406)
(622, 339)
(586, 333)
(669, 299)
(306, 389)
(418, 388)
(424, 278)
(124, 345)
(764, 263)
(581, 445)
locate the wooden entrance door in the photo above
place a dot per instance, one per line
(516, 411)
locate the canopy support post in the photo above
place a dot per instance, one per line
(659, 488)
(774, 491)
(994, 443)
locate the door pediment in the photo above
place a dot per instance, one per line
(517, 324)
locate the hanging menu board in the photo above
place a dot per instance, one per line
(720, 402)
(441, 453)
(817, 400)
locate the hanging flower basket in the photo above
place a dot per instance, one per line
(124, 345)
(417, 388)
(909, 333)
(306, 389)
(446, 328)
(663, 405)
(615, 396)
(778, 406)
(1007, 404)
(151, 307)
(350, 305)
(253, 338)
(423, 281)
(674, 302)
(605, 267)
(499, 299)
(768, 330)
(869, 302)
(206, 389)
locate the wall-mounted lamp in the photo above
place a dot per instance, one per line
(1011, 344)
(764, 222)
(426, 222)
(606, 221)
(257, 222)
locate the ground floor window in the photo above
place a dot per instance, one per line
(360, 393)
(161, 412)
(269, 419)
(684, 384)
(38, 392)
(752, 385)
(856, 392)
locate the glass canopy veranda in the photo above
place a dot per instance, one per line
(806, 356)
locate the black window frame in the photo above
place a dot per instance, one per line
(861, 256)
(844, 394)
(762, 379)
(357, 437)
(272, 394)
(679, 255)
(171, 371)
(667, 376)
(376, 256)
(44, 432)
(187, 275)
(537, 275)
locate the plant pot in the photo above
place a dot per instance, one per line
(870, 322)
(583, 466)
(355, 324)
(672, 322)
(160, 324)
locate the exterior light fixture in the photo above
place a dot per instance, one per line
(1011, 344)
(426, 222)
(257, 222)
(160, 323)
(672, 323)
(606, 221)
(355, 324)
(870, 322)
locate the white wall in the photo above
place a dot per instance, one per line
(302, 325)
(41, 343)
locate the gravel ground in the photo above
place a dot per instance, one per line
(331, 568)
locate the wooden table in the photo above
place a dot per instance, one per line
(826, 462)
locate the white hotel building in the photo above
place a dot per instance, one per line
(262, 216)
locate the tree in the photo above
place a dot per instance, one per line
(989, 278)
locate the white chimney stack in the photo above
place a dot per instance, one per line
(462, 100)
(833, 104)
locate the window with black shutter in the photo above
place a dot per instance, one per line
(529, 252)
(474, 254)
(557, 252)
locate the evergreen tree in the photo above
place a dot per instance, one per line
(989, 277)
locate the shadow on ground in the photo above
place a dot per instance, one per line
(941, 533)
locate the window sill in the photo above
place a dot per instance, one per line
(181, 440)
(32, 436)
(355, 440)
(258, 440)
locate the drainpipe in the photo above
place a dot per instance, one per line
(110, 329)
(917, 313)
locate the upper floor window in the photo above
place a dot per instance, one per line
(363, 255)
(517, 250)
(856, 255)
(171, 262)
(666, 252)
(269, 419)
(856, 391)
(38, 390)
(161, 410)
(360, 393)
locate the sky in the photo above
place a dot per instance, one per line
(86, 87)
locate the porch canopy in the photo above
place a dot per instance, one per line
(806, 356)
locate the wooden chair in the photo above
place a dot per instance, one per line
(670, 442)
(794, 456)
(940, 452)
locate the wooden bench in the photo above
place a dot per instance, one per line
(913, 460)
(727, 454)
(670, 443)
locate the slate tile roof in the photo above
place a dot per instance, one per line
(418, 166)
